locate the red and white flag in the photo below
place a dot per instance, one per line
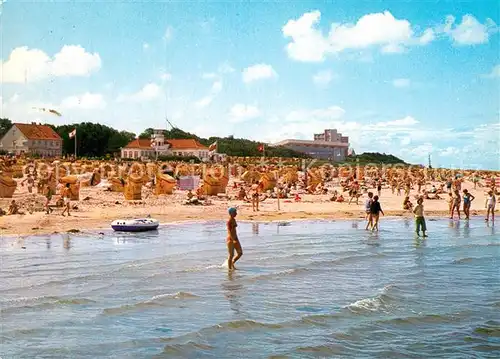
(72, 133)
(213, 147)
(261, 147)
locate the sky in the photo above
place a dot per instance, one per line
(410, 78)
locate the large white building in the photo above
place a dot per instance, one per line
(32, 139)
(158, 145)
(329, 145)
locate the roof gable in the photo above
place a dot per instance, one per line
(37, 132)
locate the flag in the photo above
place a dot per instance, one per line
(213, 147)
(261, 147)
(153, 142)
(72, 133)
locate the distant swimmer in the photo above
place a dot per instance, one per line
(233, 243)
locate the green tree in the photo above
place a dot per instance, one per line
(5, 125)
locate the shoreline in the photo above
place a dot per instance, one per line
(41, 224)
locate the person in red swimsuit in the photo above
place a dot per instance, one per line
(232, 241)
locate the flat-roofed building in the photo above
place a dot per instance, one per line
(329, 145)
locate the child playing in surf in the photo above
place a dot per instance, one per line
(418, 211)
(232, 241)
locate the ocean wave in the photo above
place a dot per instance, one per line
(428, 319)
(383, 302)
(186, 349)
(156, 301)
(347, 259)
(280, 274)
(322, 350)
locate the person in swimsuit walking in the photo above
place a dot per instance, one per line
(232, 241)
(468, 198)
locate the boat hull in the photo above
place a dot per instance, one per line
(131, 228)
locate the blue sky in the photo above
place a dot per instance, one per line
(402, 77)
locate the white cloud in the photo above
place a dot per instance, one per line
(205, 101)
(149, 92)
(87, 101)
(209, 76)
(470, 31)
(258, 72)
(75, 61)
(323, 78)
(449, 151)
(145, 46)
(401, 83)
(165, 76)
(217, 87)
(14, 98)
(169, 33)
(406, 121)
(225, 68)
(428, 36)
(240, 112)
(31, 65)
(495, 72)
(327, 114)
(309, 44)
(214, 91)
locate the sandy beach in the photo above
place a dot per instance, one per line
(97, 208)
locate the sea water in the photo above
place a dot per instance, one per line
(302, 290)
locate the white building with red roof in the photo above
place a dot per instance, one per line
(32, 139)
(158, 145)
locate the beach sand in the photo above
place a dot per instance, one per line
(97, 208)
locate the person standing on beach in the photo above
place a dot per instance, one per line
(490, 206)
(375, 210)
(255, 196)
(48, 198)
(418, 211)
(66, 193)
(455, 205)
(232, 241)
(468, 198)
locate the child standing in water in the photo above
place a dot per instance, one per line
(232, 241)
(419, 217)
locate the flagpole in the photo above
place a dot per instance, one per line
(75, 145)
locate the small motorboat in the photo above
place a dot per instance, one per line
(135, 225)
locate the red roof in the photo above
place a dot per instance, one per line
(142, 143)
(186, 144)
(37, 132)
(175, 144)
